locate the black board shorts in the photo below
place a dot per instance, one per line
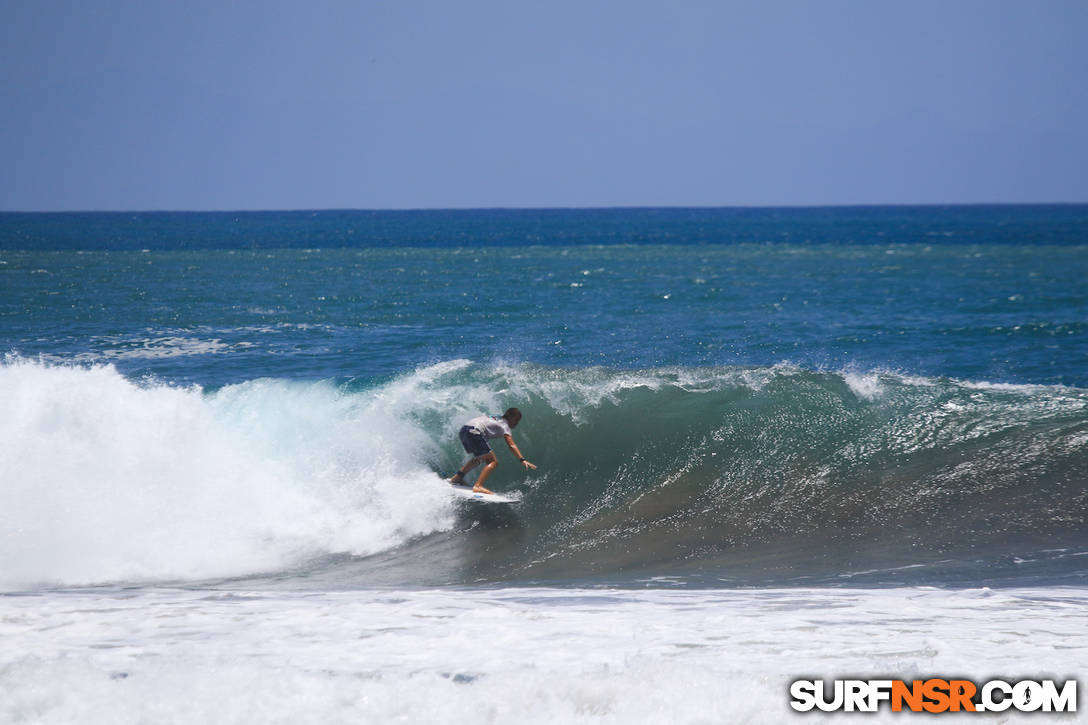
(473, 441)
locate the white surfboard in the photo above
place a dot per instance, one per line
(467, 492)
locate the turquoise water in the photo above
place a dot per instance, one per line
(974, 293)
(738, 396)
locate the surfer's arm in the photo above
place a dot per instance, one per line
(514, 449)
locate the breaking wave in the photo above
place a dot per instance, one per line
(730, 474)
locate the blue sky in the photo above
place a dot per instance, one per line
(291, 105)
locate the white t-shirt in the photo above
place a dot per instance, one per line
(490, 427)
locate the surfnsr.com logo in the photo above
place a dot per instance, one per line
(933, 695)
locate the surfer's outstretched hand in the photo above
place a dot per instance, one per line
(528, 466)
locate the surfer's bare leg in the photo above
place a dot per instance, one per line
(459, 477)
(492, 464)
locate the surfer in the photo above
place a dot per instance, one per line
(474, 437)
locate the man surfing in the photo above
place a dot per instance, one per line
(474, 437)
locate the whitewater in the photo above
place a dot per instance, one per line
(772, 445)
(285, 551)
(498, 655)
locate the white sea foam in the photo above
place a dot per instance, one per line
(508, 655)
(864, 385)
(113, 348)
(574, 392)
(102, 479)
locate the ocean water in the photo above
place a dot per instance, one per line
(772, 444)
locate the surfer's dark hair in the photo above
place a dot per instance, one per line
(512, 415)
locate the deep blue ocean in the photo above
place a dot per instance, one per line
(714, 397)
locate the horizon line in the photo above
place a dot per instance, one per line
(647, 207)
